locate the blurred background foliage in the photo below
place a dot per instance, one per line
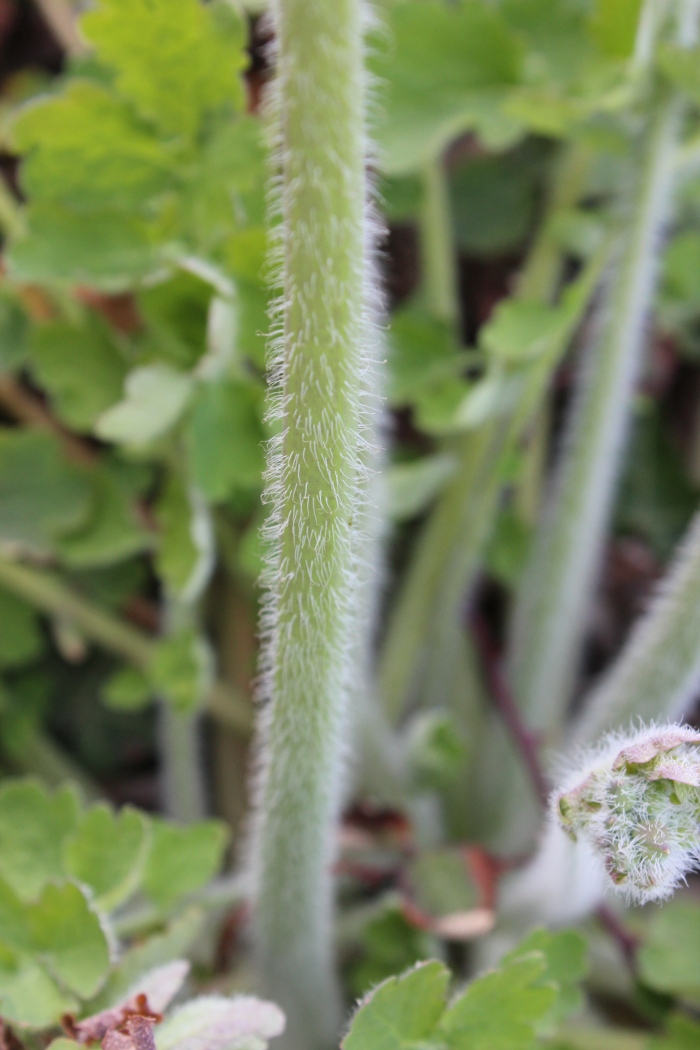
(133, 321)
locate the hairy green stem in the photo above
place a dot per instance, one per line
(316, 487)
(551, 610)
(657, 674)
(50, 595)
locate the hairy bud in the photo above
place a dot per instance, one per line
(636, 801)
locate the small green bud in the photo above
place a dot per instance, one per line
(636, 801)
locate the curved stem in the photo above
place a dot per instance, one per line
(316, 488)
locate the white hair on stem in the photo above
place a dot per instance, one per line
(323, 400)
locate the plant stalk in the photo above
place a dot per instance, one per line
(316, 487)
(656, 676)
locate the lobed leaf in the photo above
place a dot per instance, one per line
(33, 828)
(241, 1023)
(108, 853)
(200, 57)
(182, 859)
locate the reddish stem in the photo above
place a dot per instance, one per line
(504, 702)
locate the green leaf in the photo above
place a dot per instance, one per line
(501, 1010)
(176, 313)
(186, 549)
(389, 944)
(508, 547)
(138, 961)
(566, 965)
(438, 751)
(14, 326)
(445, 70)
(182, 860)
(224, 438)
(559, 48)
(33, 827)
(80, 368)
(127, 690)
(412, 487)
(108, 853)
(155, 398)
(41, 494)
(669, 959)
(28, 996)
(199, 57)
(614, 26)
(680, 65)
(241, 1023)
(63, 1044)
(402, 1013)
(21, 639)
(683, 1034)
(441, 882)
(105, 249)
(423, 354)
(68, 936)
(14, 922)
(85, 149)
(111, 531)
(231, 164)
(494, 200)
(523, 330)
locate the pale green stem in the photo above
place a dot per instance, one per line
(657, 674)
(439, 274)
(316, 488)
(50, 595)
(181, 774)
(554, 600)
(182, 778)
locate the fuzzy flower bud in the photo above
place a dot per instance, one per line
(636, 801)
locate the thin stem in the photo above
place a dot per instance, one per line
(626, 941)
(316, 486)
(180, 750)
(439, 276)
(525, 742)
(51, 596)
